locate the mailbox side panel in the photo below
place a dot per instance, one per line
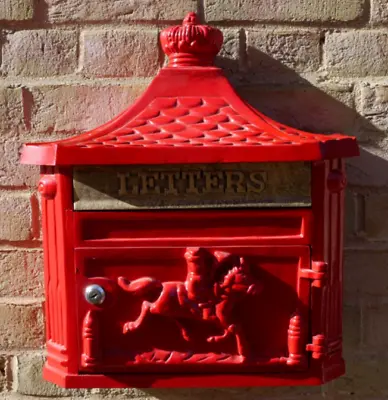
(56, 194)
(328, 185)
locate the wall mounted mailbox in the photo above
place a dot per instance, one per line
(192, 241)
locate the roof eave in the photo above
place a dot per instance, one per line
(51, 154)
(39, 154)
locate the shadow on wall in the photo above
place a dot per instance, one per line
(280, 93)
(230, 394)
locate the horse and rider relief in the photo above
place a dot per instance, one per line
(198, 306)
(202, 297)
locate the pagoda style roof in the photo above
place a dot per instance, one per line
(190, 114)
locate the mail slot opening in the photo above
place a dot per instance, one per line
(109, 228)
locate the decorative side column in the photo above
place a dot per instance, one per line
(91, 353)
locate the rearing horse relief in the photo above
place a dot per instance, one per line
(215, 285)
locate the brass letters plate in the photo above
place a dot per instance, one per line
(192, 186)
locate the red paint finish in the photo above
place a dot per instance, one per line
(203, 297)
(192, 297)
(91, 347)
(199, 298)
(193, 228)
(190, 114)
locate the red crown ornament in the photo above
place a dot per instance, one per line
(191, 44)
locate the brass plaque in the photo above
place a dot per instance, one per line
(192, 186)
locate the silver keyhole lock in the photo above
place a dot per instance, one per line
(95, 294)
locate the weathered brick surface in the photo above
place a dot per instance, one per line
(17, 396)
(30, 381)
(124, 394)
(40, 53)
(376, 215)
(11, 112)
(366, 273)
(16, 10)
(4, 372)
(75, 108)
(356, 53)
(379, 13)
(229, 57)
(365, 378)
(375, 335)
(374, 99)
(119, 52)
(96, 10)
(21, 326)
(278, 55)
(286, 10)
(351, 329)
(374, 105)
(317, 109)
(365, 170)
(350, 223)
(12, 173)
(21, 273)
(15, 216)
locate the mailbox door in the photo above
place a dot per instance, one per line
(186, 309)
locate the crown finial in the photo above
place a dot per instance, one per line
(191, 19)
(191, 44)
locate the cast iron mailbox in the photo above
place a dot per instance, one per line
(192, 241)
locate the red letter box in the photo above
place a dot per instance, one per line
(193, 241)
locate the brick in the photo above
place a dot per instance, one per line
(366, 273)
(229, 56)
(21, 273)
(289, 393)
(274, 392)
(365, 170)
(354, 215)
(356, 53)
(379, 12)
(11, 172)
(350, 215)
(121, 394)
(119, 52)
(116, 10)
(40, 53)
(71, 109)
(17, 396)
(3, 377)
(323, 109)
(374, 105)
(366, 377)
(376, 215)
(275, 55)
(285, 10)
(5, 373)
(15, 216)
(11, 112)
(21, 326)
(374, 99)
(30, 380)
(16, 10)
(375, 333)
(351, 329)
